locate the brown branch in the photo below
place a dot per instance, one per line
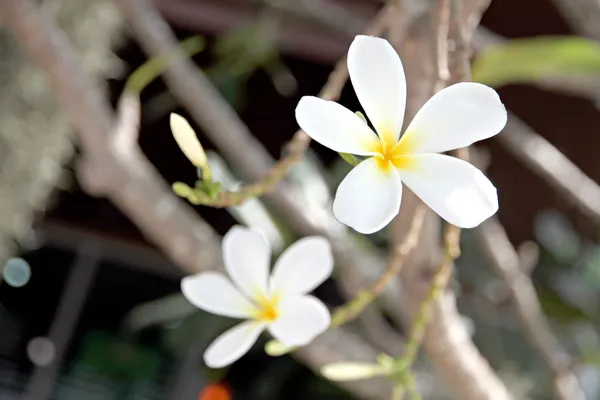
(341, 345)
(215, 116)
(227, 131)
(523, 296)
(552, 165)
(128, 179)
(539, 154)
(582, 15)
(365, 297)
(446, 340)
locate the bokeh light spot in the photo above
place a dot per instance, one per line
(16, 272)
(215, 391)
(41, 351)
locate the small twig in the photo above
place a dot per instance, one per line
(440, 280)
(355, 306)
(398, 393)
(126, 131)
(443, 30)
(419, 324)
(552, 165)
(439, 283)
(325, 12)
(352, 309)
(582, 15)
(506, 261)
(529, 255)
(212, 112)
(540, 155)
(447, 342)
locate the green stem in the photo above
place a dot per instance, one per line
(151, 69)
(419, 326)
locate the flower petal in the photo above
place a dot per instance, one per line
(301, 319)
(378, 79)
(453, 188)
(216, 294)
(335, 127)
(456, 117)
(233, 344)
(247, 255)
(369, 197)
(302, 267)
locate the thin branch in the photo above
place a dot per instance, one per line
(342, 345)
(126, 131)
(324, 12)
(553, 166)
(217, 118)
(234, 140)
(354, 307)
(440, 280)
(539, 154)
(582, 15)
(130, 181)
(523, 296)
(446, 340)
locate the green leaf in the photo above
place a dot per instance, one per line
(527, 59)
(350, 159)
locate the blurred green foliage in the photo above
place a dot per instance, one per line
(107, 355)
(528, 59)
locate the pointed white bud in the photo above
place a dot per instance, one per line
(188, 141)
(352, 371)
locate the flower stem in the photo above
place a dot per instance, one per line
(355, 306)
(419, 325)
(300, 141)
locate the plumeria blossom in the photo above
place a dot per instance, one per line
(369, 196)
(278, 302)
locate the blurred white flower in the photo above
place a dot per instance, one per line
(278, 302)
(457, 116)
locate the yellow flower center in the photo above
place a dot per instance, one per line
(392, 153)
(267, 310)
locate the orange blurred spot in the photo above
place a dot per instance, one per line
(215, 391)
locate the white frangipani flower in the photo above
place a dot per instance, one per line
(457, 116)
(279, 302)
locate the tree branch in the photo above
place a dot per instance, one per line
(582, 15)
(553, 166)
(523, 296)
(129, 180)
(446, 340)
(361, 264)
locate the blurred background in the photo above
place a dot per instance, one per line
(89, 309)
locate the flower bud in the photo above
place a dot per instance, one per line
(275, 348)
(187, 141)
(352, 371)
